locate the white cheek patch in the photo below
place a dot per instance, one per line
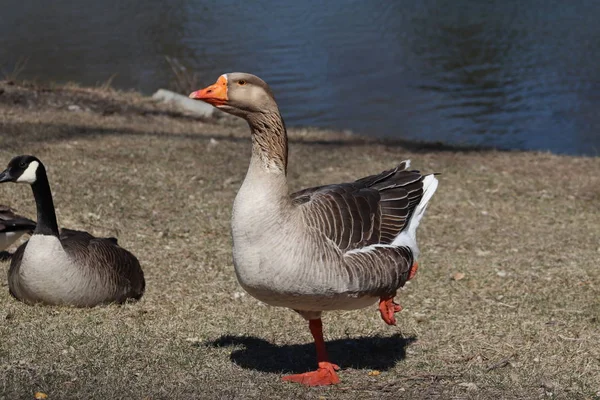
(29, 176)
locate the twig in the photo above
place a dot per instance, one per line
(432, 377)
(391, 386)
(184, 80)
(17, 69)
(570, 338)
(499, 303)
(567, 310)
(479, 297)
(500, 364)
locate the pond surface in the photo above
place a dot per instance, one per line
(507, 74)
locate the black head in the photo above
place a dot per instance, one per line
(22, 169)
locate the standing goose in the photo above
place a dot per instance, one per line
(73, 267)
(12, 227)
(341, 246)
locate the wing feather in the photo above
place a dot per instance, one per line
(116, 265)
(371, 210)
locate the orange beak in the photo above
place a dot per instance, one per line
(215, 94)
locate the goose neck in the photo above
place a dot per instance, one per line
(269, 141)
(46, 215)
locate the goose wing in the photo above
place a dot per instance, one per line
(15, 265)
(370, 211)
(10, 222)
(116, 263)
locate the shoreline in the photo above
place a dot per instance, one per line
(70, 99)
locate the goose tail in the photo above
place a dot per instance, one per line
(408, 236)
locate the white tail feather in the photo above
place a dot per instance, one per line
(408, 237)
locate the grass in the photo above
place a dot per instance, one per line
(13, 75)
(522, 323)
(184, 79)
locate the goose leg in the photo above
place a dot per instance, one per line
(325, 374)
(387, 306)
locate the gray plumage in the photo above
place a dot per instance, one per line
(99, 271)
(331, 247)
(370, 211)
(341, 246)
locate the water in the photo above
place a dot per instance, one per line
(501, 73)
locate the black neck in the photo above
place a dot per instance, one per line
(46, 216)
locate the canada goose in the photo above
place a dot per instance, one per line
(12, 227)
(73, 267)
(341, 246)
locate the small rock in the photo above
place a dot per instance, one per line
(74, 108)
(213, 142)
(549, 385)
(238, 295)
(457, 276)
(501, 274)
(470, 386)
(196, 107)
(420, 317)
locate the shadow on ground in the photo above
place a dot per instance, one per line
(5, 256)
(380, 353)
(54, 132)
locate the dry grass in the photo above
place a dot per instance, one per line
(524, 321)
(184, 78)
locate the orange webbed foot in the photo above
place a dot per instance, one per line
(413, 271)
(387, 308)
(323, 376)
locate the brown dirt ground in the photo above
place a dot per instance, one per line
(523, 228)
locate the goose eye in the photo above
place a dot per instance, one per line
(22, 164)
(241, 82)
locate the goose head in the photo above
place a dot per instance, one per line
(240, 94)
(22, 169)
